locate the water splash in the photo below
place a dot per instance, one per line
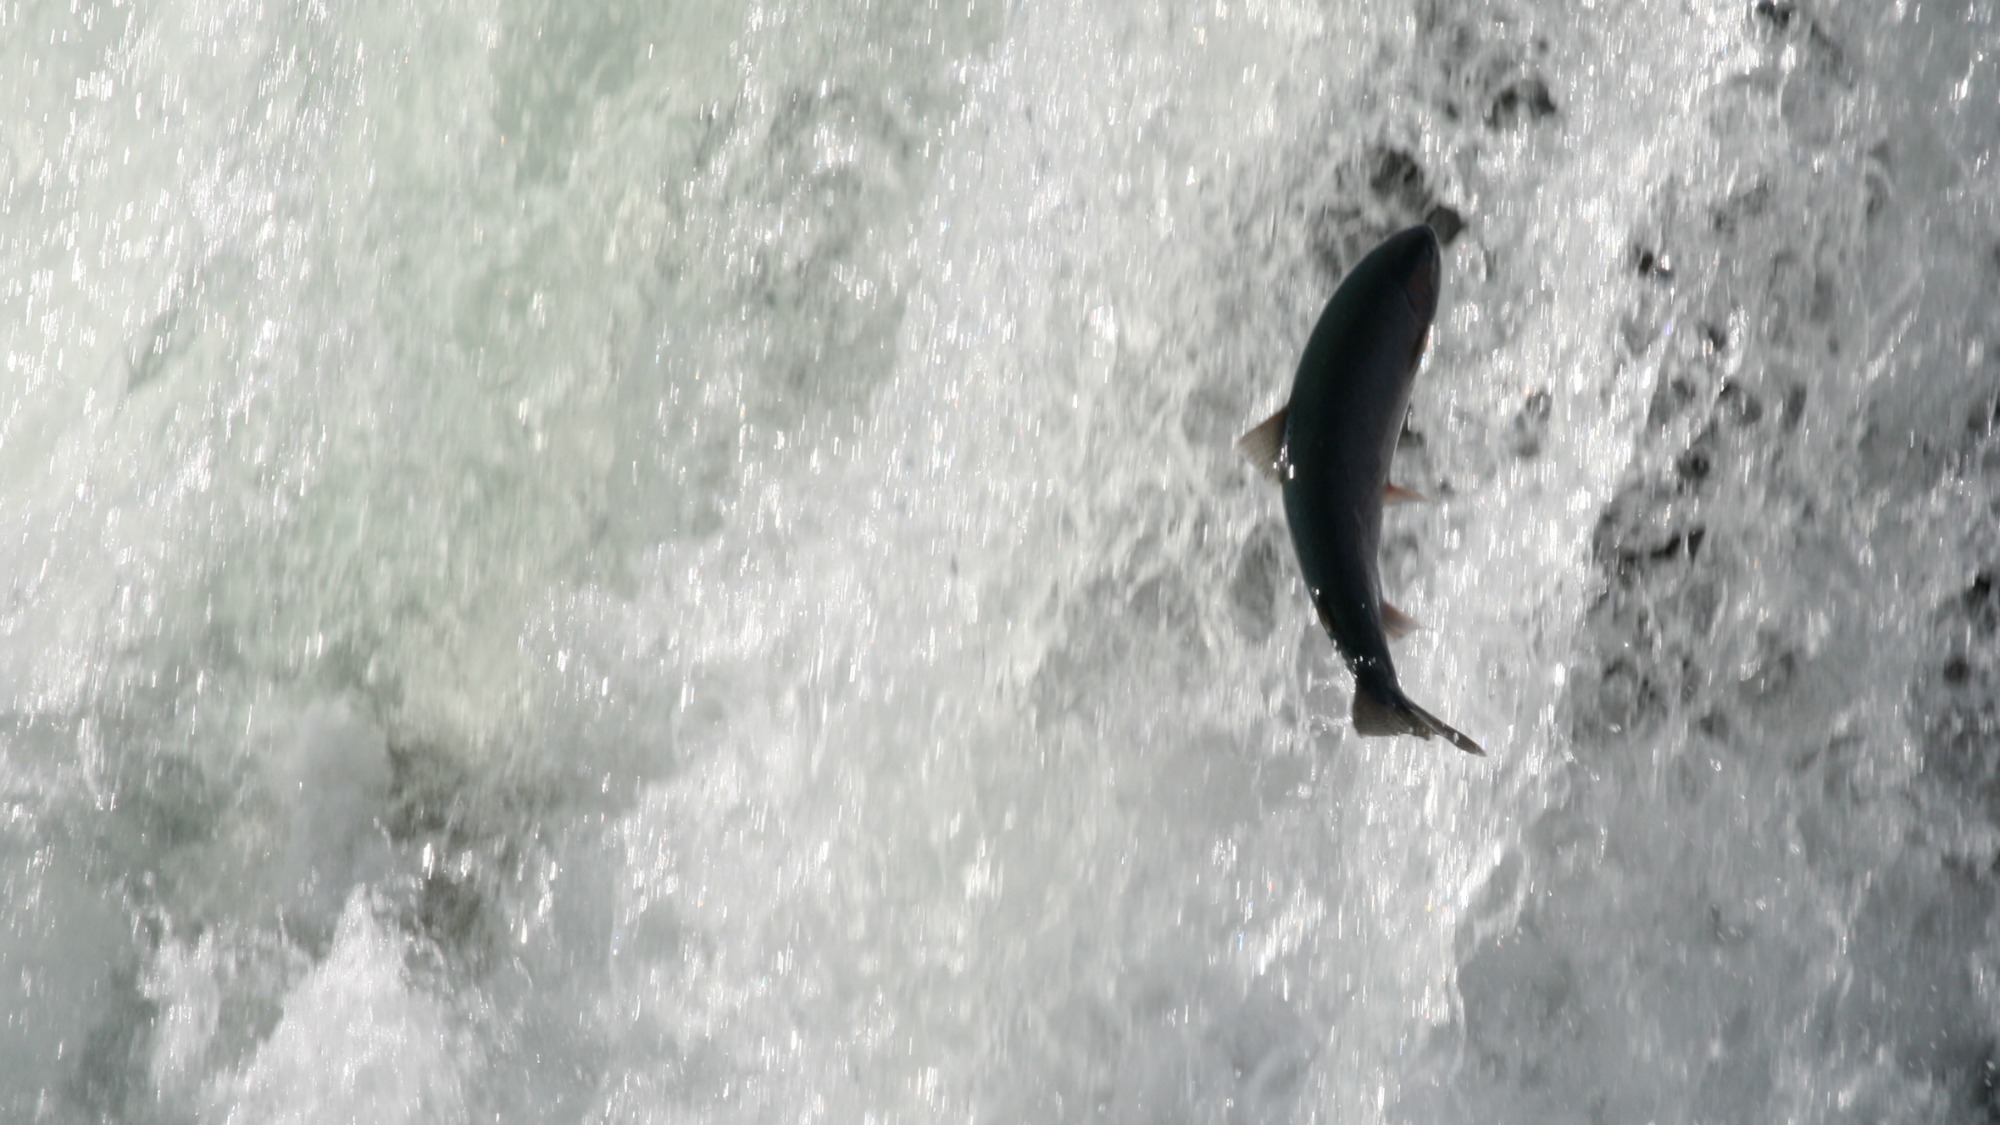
(672, 564)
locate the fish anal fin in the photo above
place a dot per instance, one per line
(1398, 624)
(1397, 494)
(1265, 445)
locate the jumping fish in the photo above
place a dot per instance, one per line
(1329, 448)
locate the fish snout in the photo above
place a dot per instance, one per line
(1422, 266)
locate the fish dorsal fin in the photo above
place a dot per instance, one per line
(1397, 494)
(1265, 445)
(1398, 624)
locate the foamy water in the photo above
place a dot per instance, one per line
(686, 563)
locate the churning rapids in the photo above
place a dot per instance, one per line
(644, 562)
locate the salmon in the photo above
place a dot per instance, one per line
(1329, 449)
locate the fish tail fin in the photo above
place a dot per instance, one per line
(1448, 732)
(1384, 713)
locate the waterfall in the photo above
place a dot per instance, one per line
(686, 563)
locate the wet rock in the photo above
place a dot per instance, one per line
(1398, 180)
(1692, 467)
(1516, 991)
(1446, 222)
(1530, 424)
(1489, 71)
(1522, 101)
(1737, 405)
(1957, 670)
(1984, 418)
(1383, 191)
(1776, 667)
(1253, 588)
(1752, 202)
(1649, 262)
(1627, 551)
(1626, 698)
(1331, 236)
(1795, 406)
(1979, 605)
(451, 912)
(1671, 398)
(1880, 192)
(112, 1057)
(1774, 13)
(1984, 1085)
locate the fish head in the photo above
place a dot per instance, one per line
(1417, 264)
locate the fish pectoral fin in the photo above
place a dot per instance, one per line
(1265, 445)
(1397, 624)
(1397, 494)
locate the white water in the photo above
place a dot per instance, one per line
(685, 563)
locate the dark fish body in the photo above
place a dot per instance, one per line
(1330, 449)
